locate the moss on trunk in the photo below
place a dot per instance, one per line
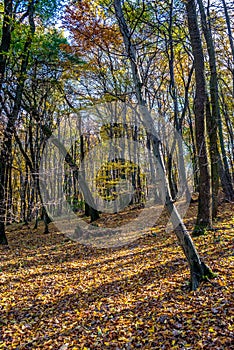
(200, 273)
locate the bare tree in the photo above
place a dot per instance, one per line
(12, 113)
(204, 218)
(214, 123)
(198, 269)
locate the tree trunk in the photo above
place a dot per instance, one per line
(230, 131)
(214, 157)
(3, 238)
(193, 154)
(177, 121)
(215, 122)
(4, 49)
(77, 174)
(89, 210)
(6, 38)
(5, 154)
(230, 37)
(204, 217)
(198, 270)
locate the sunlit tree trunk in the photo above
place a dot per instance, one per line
(177, 120)
(193, 152)
(198, 269)
(214, 122)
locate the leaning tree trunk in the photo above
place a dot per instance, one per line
(77, 173)
(198, 270)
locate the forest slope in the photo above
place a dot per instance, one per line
(57, 294)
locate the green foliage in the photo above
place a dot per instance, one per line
(47, 45)
(200, 230)
(48, 10)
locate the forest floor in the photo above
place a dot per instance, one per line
(58, 294)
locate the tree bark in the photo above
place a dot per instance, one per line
(4, 49)
(198, 270)
(93, 212)
(89, 210)
(230, 37)
(204, 217)
(177, 120)
(5, 154)
(3, 237)
(214, 122)
(6, 38)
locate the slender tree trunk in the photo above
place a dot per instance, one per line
(9, 194)
(34, 169)
(194, 154)
(77, 174)
(214, 157)
(6, 38)
(3, 238)
(24, 198)
(4, 49)
(152, 169)
(204, 217)
(213, 113)
(198, 269)
(89, 210)
(230, 130)
(82, 155)
(214, 121)
(230, 37)
(5, 154)
(177, 121)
